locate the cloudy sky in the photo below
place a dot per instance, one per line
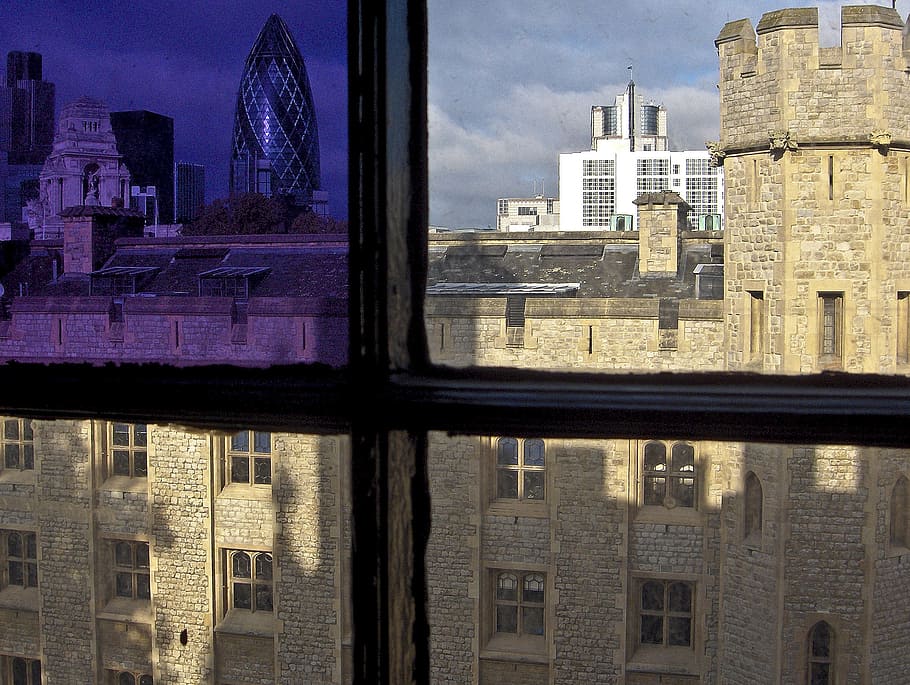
(184, 58)
(512, 84)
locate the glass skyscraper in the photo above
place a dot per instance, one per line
(275, 142)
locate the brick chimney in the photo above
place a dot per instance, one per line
(89, 233)
(661, 218)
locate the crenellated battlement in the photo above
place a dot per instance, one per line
(776, 77)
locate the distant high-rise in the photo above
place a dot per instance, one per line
(275, 142)
(26, 110)
(146, 141)
(189, 195)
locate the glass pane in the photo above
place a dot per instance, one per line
(264, 566)
(143, 586)
(821, 640)
(240, 469)
(654, 490)
(652, 596)
(534, 484)
(20, 672)
(140, 435)
(534, 453)
(655, 457)
(11, 429)
(820, 674)
(680, 631)
(121, 463)
(532, 621)
(28, 435)
(125, 585)
(262, 442)
(683, 457)
(14, 545)
(11, 452)
(31, 574)
(142, 555)
(123, 554)
(652, 630)
(121, 433)
(507, 451)
(683, 491)
(240, 442)
(263, 597)
(506, 484)
(681, 597)
(506, 619)
(507, 587)
(28, 456)
(145, 680)
(126, 679)
(36, 672)
(242, 596)
(262, 470)
(241, 565)
(31, 546)
(16, 575)
(140, 464)
(533, 589)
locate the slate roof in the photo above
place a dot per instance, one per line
(602, 268)
(283, 266)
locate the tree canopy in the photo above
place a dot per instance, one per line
(253, 214)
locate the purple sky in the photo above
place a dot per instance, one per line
(183, 59)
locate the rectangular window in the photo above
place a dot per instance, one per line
(129, 450)
(18, 445)
(519, 602)
(249, 580)
(830, 315)
(756, 314)
(669, 474)
(520, 469)
(131, 569)
(249, 458)
(20, 551)
(665, 610)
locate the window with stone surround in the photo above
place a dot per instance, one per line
(128, 678)
(665, 611)
(520, 469)
(128, 450)
(899, 529)
(831, 329)
(21, 671)
(132, 576)
(519, 601)
(752, 510)
(249, 584)
(669, 477)
(820, 653)
(20, 563)
(18, 445)
(249, 458)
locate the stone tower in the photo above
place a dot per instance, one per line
(815, 144)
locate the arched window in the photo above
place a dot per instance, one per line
(671, 483)
(821, 655)
(752, 519)
(251, 581)
(900, 509)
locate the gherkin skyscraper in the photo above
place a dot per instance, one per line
(275, 142)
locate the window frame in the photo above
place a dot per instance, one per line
(25, 560)
(252, 581)
(21, 442)
(134, 570)
(670, 475)
(252, 456)
(535, 506)
(390, 394)
(131, 449)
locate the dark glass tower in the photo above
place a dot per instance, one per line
(146, 141)
(276, 142)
